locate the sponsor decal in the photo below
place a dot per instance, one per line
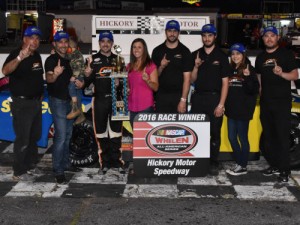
(105, 71)
(171, 139)
(270, 62)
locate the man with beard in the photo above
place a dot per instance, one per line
(58, 74)
(108, 133)
(174, 64)
(210, 74)
(276, 68)
(25, 70)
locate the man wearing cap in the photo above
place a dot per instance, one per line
(25, 70)
(174, 63)
(108, 133)
(210, 76)
(276, 68)
(58, 74)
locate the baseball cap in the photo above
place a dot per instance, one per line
(32, 30)
(209, 28)
(270, 29)
(60, 35)
(106, 34)
(173, 24)
(238, 47)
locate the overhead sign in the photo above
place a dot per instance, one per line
(176, 145)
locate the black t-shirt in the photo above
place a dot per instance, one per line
(27, 79)
(242, 93)
(171, 78)
(102, 67)
(59, 89)
(212, 70)
(273, 86)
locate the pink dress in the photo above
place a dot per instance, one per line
(141, 95)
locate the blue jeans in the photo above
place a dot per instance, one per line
(133, 114)
(62, 134)
(75, 92)
(238, 129)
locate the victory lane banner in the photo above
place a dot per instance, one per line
(172, 145)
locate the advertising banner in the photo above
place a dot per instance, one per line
(176, 145)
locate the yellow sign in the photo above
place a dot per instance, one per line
(191, 1)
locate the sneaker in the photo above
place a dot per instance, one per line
(103, 171)
(35, 172)
(73, 169)
(270, 171)
(237, 171)
(283, 177)
(121, 170)
(23, 177)
(61, 179)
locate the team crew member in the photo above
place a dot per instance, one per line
(240, 105)
(108, 132)
(58, 74)
(276, 67)
(210, 74)
(174, 63)
(25, 70)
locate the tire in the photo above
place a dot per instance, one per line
(83, 146)
(294, 142)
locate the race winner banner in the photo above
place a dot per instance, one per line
(171, 145)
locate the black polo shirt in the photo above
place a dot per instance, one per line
(27, 79)
(212, 70)
(274, 86)
(59, 89)
(171, 78)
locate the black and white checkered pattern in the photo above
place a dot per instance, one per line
(144, 23)
(88, 183)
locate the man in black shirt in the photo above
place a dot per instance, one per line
(25, 70)
(210, 74)
(58, 74)
(108, 132)
(276, 68)
(174, 63)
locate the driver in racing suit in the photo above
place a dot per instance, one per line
(108, 133)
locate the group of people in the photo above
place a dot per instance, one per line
(161, 84)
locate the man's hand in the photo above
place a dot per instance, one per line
(25, 52)
(181, 108)
(164, 62)
(58, 69)
(79, 84)
(277, 70)
(198, 61)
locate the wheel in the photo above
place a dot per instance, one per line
(83, 146)
(294, 143)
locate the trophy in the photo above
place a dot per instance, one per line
(119, 85)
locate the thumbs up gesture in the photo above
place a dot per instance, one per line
(58, 69)
(198, 61)
(88, 70)
(25, 52)
(246, 71)
(277, 69)
(164, 62)
(145, 76)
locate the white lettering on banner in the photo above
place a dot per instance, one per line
(185, 162)
(167, 117)
(158, 171)
(160, 162)
(193, 117)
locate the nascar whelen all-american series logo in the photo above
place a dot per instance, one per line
(171, 139)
